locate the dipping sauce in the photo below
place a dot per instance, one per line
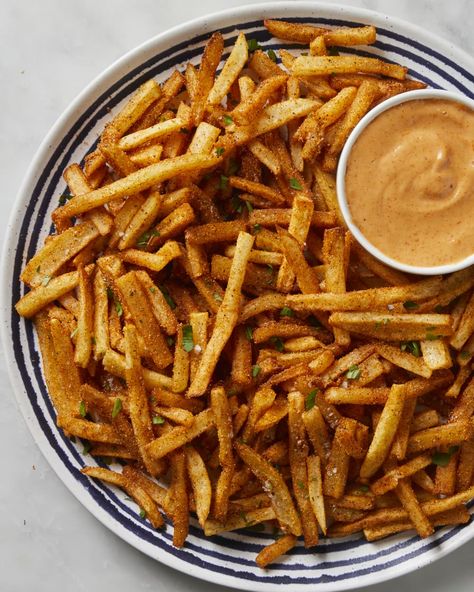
(410, 182)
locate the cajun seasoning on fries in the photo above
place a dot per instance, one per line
(205, 317)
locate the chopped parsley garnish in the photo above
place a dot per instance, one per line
(310, 399)
(252, 45)
(223, 182)
(166, 294)
(117, 407)
(87, 447)
(410, 305)
(286, 311)
(64, 198)
(300, 485)
(431, 336)
(158, 420)
(412, 347)
(295, 184)
(227, 120)
(142, 241)
(248, 332)
(220, 151)
(257, 228)
(354, 372)
(249, 206)
(188, 341)
(152, 289)
(277, 343)
(272, 55)
(233, 166)
(441, 459)
(142, 513)
(255, 371)
(82, 408)
(170, 340)
(118, 308)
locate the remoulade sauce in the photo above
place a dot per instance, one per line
(410, 182)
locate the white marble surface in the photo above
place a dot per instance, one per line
(50, 50)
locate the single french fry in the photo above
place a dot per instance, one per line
(101, 316)
(137, 305)
(232, 68)
(281, 500)
(390, 480)
(273, 551)
(226, 317)
(265, 156)
(215, 232)
(40, 297)
(238, 521)
(249, 108)
(384, 432)
(200, 483)
(443, 435)
(315, 488)
(408, 499)
(85, 320)
(138, 181)
(180, 435)
(294, 258)
(404, 360)
(320, 66)
(179, 491)
(298, 33)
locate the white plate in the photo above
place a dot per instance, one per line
(228, 559)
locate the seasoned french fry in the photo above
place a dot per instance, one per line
(384, 432)
(200, 483)
(276, 549)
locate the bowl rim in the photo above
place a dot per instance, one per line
(408, 97)
(105, 77)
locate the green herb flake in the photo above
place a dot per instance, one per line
(236, 204)
(223, 182)
(413, 347)
(117, 407)
(248, 332)
(354, 372)
(227, 120)
(300, 485)
(188, 341)
(295, 184)
(252, 45)
(152, 289)
(286, 311)
(441, 459)
(233, 166)
(87, 447)
(64, 198)
(410, 305)
(142, 241)
(277, 343)
(46, 280)
(255, 371)
(431, 336)
(118, 308)
(166, 294)
(314, 322)
(220, 151)
(257, 228)
(310, 399)
(272, 55)
(158, 420)
(249, 206)
(142, 513)
(217, 297)
(82, 408)
(170, 340)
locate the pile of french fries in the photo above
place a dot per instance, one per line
(206, 319)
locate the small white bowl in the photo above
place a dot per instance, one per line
(414, 95)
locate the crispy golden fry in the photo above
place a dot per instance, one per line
(250, 107)
(238, 521)
(275, 486)
(275, 550)
(135, 182)
(50, 291)
(230, 71)
(85, 320)
(200, 483)
(320, 66)
(226, 318)
(384, 432)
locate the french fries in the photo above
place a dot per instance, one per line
(204, 315)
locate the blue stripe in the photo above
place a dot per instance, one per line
(66, 451)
